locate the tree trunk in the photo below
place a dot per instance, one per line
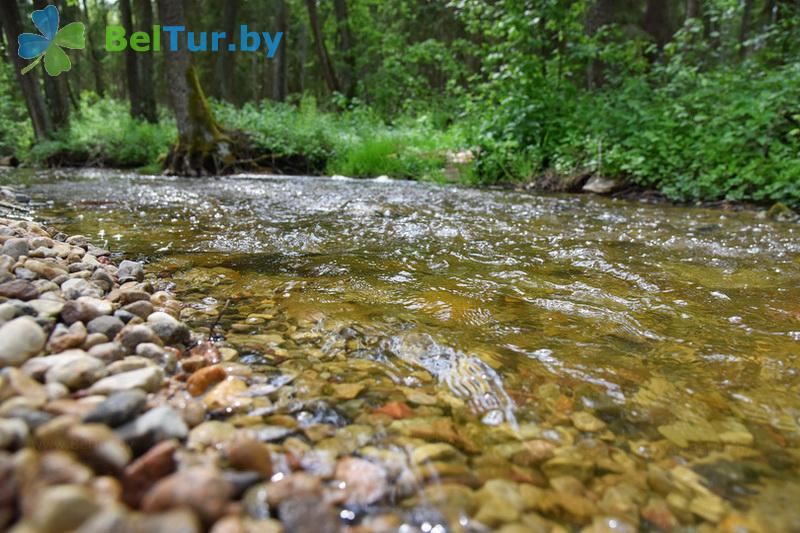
(599, 15)
(226, 60)
(28, 83)
(131, 61)
(657, 21)
(202, 147)
(345, 46)
(55, 91)
(322, 51)
(97, 69)
(279, 63)
(692, 9)
(745, 27)
(149, 112)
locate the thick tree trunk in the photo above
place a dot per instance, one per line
(28, 83)
(144, 9)
(226, 61)
(599, 15)
(202, 147)
(692, 9)
(322, 51)
(345, 46)
(55, 91)
(744, 29)
(131, 61)
(279, 63)
(657, 21)
(97, 69)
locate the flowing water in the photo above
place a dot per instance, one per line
(648, 352)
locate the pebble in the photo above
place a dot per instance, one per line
(201, 489)
(169, 329)
(119, 408)
(142, 309)
(303, 514)
(77, 373)
(148, 379)
(584, 421)
(157, 424)
(132, 335)
(249, 454)
(15, 248)
(107, 325)
(147, 470)
(19, 289)
(212, 433)
(13, 433)
(500, 502)
(14, 382)
(130, 271)
(364, 482)
(108, 351)
(205, 377)
(63, 508)
(20, 339)
(37, 367)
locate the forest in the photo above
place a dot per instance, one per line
(696, 98)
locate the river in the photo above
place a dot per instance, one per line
(626, 341)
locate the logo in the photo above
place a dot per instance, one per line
(49, 44)
(202, 41)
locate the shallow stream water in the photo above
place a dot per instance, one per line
(633, 340)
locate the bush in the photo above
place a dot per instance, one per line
(355, 142)
(103, 133)
(16, 132)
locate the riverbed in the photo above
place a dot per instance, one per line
(632, 365)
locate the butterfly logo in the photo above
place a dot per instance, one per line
(49, 44)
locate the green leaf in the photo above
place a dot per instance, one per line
(56, 61)
(71, 36)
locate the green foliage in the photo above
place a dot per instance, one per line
(698, 123)
(16, 132)
(355, 142)
(103, 133)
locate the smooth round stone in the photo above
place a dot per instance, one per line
(20, 339)
(201, 489)
(108, 351)
(47, 308)
(19, 289)
(130, 271)
(107, 325)
(148, 379)
(133, 335)
(154, 426)
(15, 248)
(77, 373)
(74, 288)
(118, 408)
(63, 508)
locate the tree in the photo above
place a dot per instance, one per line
(28, 83)
(202, 147)
(131, 62)
(280, 64)
(144, 9)
(328, 70)
(345, 45)
(226, 61)
(56, 91)
(657, 21)
(97, 68)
